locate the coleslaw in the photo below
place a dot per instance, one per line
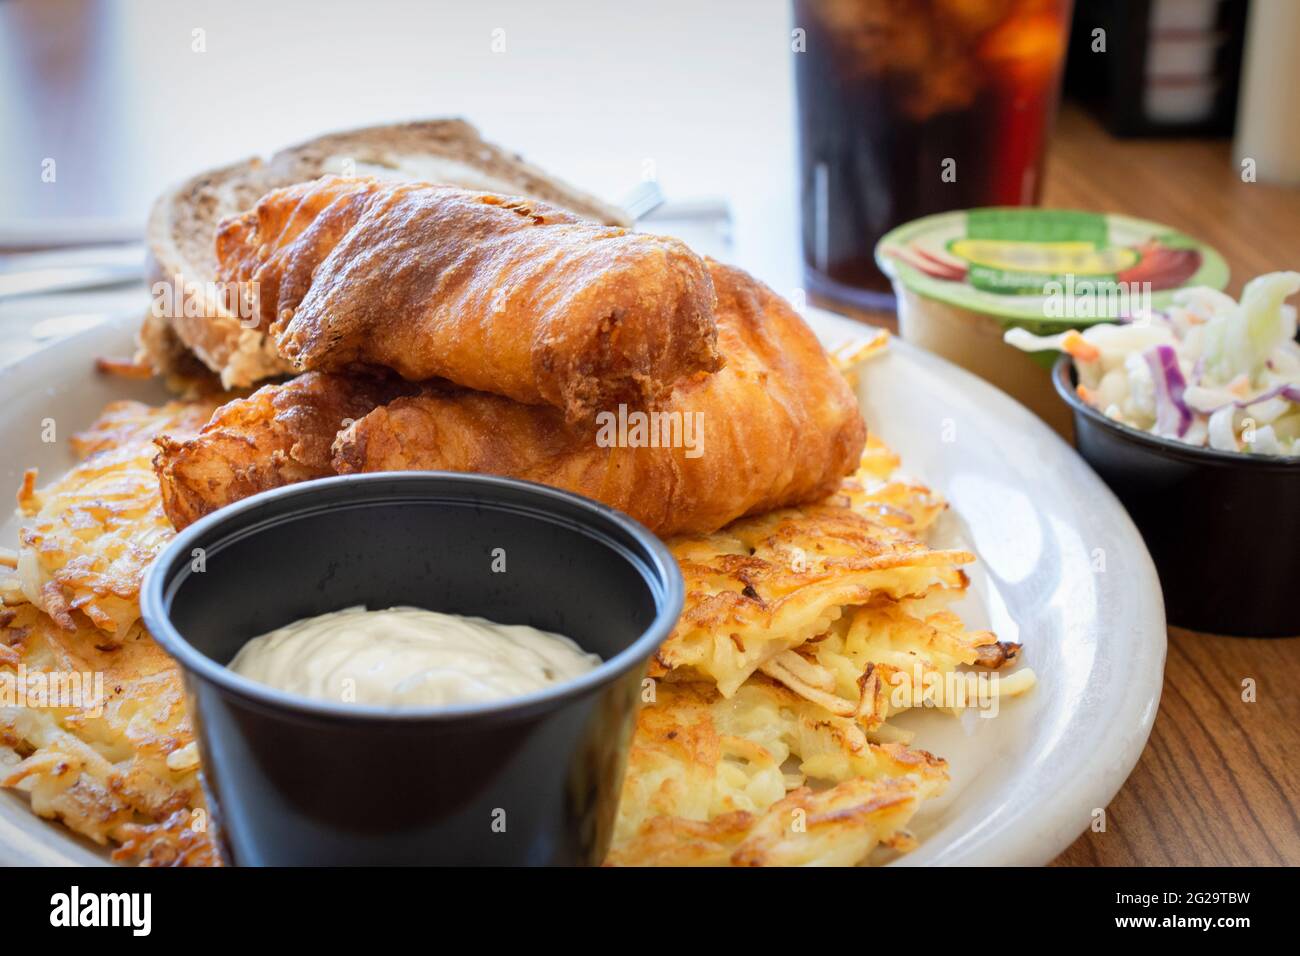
(1207, 371)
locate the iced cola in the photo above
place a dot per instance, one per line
(910, 107)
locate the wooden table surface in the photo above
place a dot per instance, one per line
(1218, 783)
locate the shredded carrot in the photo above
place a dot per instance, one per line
(1087, 394)
(123, 368)
(1079, 347)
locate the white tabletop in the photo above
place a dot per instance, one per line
(699, 94)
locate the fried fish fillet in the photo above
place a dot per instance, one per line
(279, 435)
(90, 535)
(706, 783)
(777, 425)
(501, 294)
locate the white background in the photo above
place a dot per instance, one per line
(590, 91)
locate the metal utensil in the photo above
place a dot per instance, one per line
(86, 267)
(23, 282)
(644, 199)
(58, 326)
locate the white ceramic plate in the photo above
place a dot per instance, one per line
(1062, 570)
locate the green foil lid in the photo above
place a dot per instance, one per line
(1047, 268)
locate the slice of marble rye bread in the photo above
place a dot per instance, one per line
(182, 223)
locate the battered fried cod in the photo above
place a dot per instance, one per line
(497, 293)
(279, 435)
(706, 784)
(776, 426)
(92, 533)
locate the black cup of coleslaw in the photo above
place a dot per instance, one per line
(1220, 525)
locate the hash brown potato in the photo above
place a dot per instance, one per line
(804, 631)
(92, 533)
(764, 585)
(887, 656)
(708, 783)
(122, 770)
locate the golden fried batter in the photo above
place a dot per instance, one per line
(501, 294)
(777, 425)
(278, 435)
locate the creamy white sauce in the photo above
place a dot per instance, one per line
(408, 657)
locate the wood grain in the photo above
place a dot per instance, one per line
(1218, 783)
(1191, 185)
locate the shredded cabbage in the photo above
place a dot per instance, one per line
(1239, 341)
(1209, 371)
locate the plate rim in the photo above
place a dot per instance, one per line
(38, 842)
(1038, 842)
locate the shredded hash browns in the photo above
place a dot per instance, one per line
(708, 783)
(123, 769)
(765, 585)
(804, 631)
(93, 532)
(765, 739)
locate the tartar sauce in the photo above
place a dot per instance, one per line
(408, 657)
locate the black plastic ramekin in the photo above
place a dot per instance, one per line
(1220, 526)
(531, 780)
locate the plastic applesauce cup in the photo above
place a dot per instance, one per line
(963, 278)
